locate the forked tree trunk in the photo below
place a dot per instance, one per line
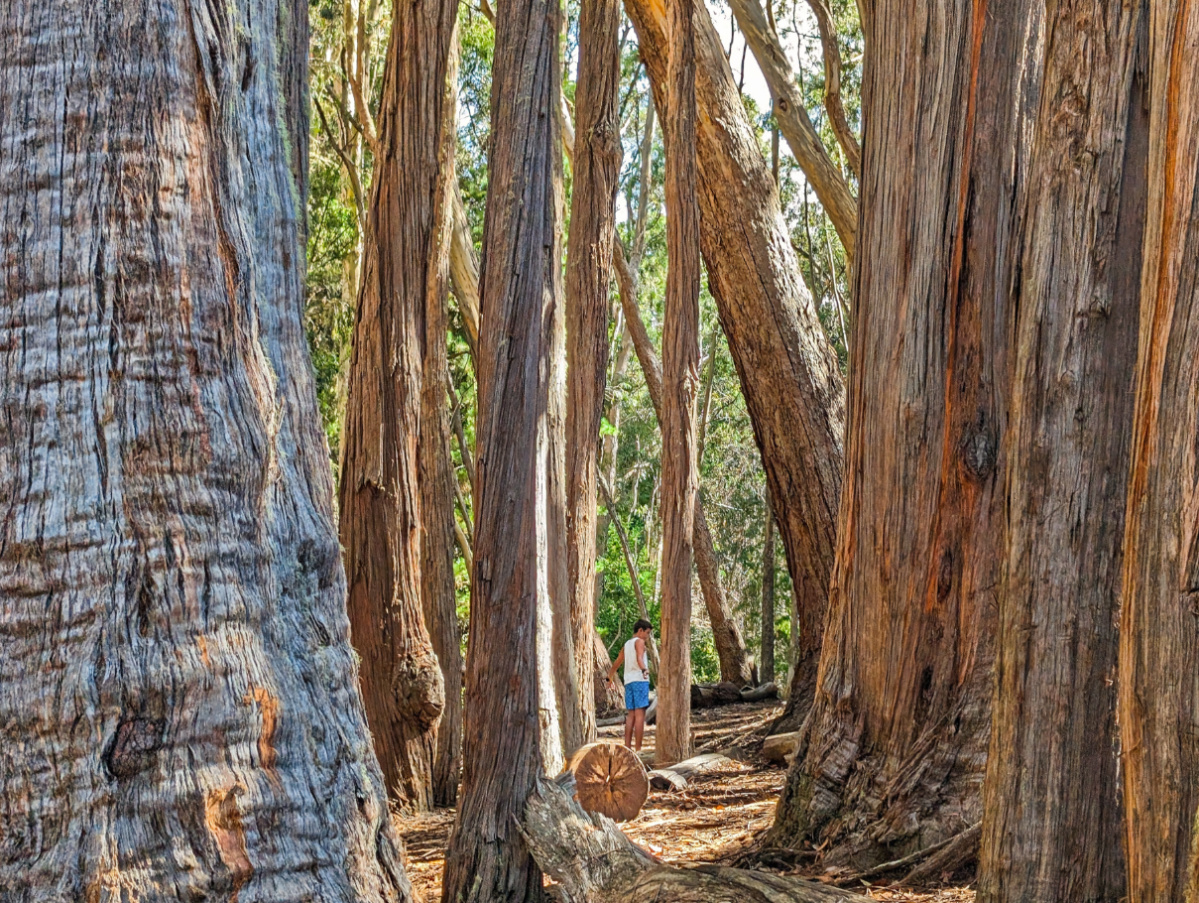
(1052, 821)
(1159, 632)
(596, 156)
(730, 646)
(893, 756)
(179, 706)
(511, 715)
(787, 368)
(404, 280)
(436, 477)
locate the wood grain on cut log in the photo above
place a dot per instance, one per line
(593, 862)
(179, 711)
(609, 780)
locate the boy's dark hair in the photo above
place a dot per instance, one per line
(642, 624)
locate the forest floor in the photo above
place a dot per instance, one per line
(715, 820)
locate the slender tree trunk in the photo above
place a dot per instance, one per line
(178, 698)
(395, 343)
(833, 103)
(680, 386)
(511, 716)
(1159, 636)
(730, 646)
(437, 481)
(766, 667)
(788, 370)
(1052, 821)
(596, 157)
(893, 754)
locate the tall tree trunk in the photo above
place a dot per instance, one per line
(1052, 823)
(788, 370)
(404, 280)
(1159, 636)
(730, 646)
(596, 156)
(511, 717)
(436, 478)
(894, 750)
(680, 386)
(766, 666)
(179, 705)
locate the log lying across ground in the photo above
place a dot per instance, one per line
(706, 696)
(610, 780)
(779, 747)
(677, 777)
(593, 862)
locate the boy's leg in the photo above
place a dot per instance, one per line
(630, 718)
(638, 728)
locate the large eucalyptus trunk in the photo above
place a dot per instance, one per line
(788, 370)
(404, 280)
(588, 275)
(1159, 631)
(1052, 823)
(178, 697)
(893, 754)
(511, 727)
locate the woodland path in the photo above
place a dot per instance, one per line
(715, 820)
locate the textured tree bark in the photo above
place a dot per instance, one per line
(680, 387)
(1159, 636)
(607, 701)
(766, 666)
(179, 705)
(833, 105)
(730, 646)
(788, 371)
(1052, 820)
(404, 280)
(792, 116)
(435, 473)
(511, 728)
(894, 749)
(596, 158)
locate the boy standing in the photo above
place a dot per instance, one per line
(635, 658)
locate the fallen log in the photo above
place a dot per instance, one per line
(677, 777)
(706, 696)
(780, 747)
(591, 861)
(609, 780)
(651, 715)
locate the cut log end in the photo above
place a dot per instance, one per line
(610, 780)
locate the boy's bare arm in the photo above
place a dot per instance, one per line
(641, 660)
(616, 664)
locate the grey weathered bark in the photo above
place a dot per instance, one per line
(730, 646)
(1051, 826)
(833, 104)
(1159, 636)
(766, 666)
(792, 116)
(788, 371)
(180, 715)
(893, 756)
(511, 715)
(680, 387)
(436, 478)
(464, 273)
(596, 156)
(404, 280)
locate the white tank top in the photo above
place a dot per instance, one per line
(632, 668)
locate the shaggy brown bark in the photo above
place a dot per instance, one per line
(1159, 636)
(726, 635)
(596, 157)
(894, 750)
(788, 371)
(766, 665)
(1052, 819)
(511, 714)
(404, 279)
(179, 710)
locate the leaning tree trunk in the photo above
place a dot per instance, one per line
(1052, 823)
(894, 750)
(179, 703)
(1159, 632)
(788, 370)
(588, 274)
(435, 474)
(404, 278)
(680, 385)
(511, 715)
(766, 666)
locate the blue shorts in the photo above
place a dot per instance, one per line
(636, 695)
